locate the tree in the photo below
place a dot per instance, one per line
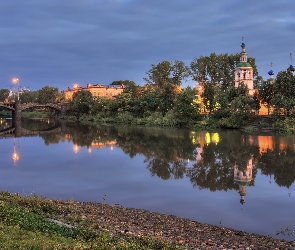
(240, 110)
(125, 102)
(48, 95)
(29, 96)
(266, 93)
(129, 87)
(235, 106)
(166, 78)
(149, 102)
(4, 93)
(81, 103)
(283, 89)
(185, 105)
(209, 96)
(218, 69)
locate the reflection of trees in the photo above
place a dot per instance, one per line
(167, 151)
(280, 163)
(38, 124)
(215, 170)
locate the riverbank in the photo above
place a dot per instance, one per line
(191, 234)
(124, 225)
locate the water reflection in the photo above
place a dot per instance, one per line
(15, 155)
(227, 164)
(215, 161)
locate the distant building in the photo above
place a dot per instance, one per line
(108, 91)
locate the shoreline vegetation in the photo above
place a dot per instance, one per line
(34, 222)
(214, 102)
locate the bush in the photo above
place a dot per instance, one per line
(284, 125)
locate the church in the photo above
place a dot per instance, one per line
(243, 73)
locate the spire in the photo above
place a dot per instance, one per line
(243, 57)
(271, 73)
(291, 68)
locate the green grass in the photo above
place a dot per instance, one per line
(26, 223)
(36, 114)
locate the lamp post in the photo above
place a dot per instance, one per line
(16, 82)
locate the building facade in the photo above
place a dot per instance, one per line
(98, 90)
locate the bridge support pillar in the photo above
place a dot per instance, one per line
(63, 109)
(16, 119)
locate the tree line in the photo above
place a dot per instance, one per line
(162, 100)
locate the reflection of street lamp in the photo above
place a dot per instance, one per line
(76, 148)
(15, 155)
(16, 81)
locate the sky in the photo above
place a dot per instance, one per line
(62, 42)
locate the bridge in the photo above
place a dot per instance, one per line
(17, 107)
(60, 108)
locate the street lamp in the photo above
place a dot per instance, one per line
(16, 81)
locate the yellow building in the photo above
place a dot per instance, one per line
(108, 91)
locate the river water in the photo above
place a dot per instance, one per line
(225, 178)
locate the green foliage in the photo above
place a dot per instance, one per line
(130, 87)
(206, 122)
(125, 117)
(209, 96)
(185, 108)
(166, 73)
(36, 114)
(29, 96)
(240, 111)
(218, 69)
(283, 89)
(81, 103)
(165, 80)
(103, 107)
(24, 225)
(5, 113)
(284, 125)
(48, 95)
(12, 215)
(125, 102)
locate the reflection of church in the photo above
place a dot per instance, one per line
(243, 178)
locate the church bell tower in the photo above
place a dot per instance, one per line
(244, 71)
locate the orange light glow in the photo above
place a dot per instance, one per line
(15, 80)
(76, 149)
(76, 85)
(15, 157)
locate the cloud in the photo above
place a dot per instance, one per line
(61, 42)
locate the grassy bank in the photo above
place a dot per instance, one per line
(36, 114)
(203, 122)
(38, 223)
(5, 113)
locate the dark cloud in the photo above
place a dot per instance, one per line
(61, 42)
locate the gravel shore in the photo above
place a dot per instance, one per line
(190, 234)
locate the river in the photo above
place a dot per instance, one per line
(225, 178)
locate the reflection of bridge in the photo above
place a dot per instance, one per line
(17, 107)
(11, 132)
